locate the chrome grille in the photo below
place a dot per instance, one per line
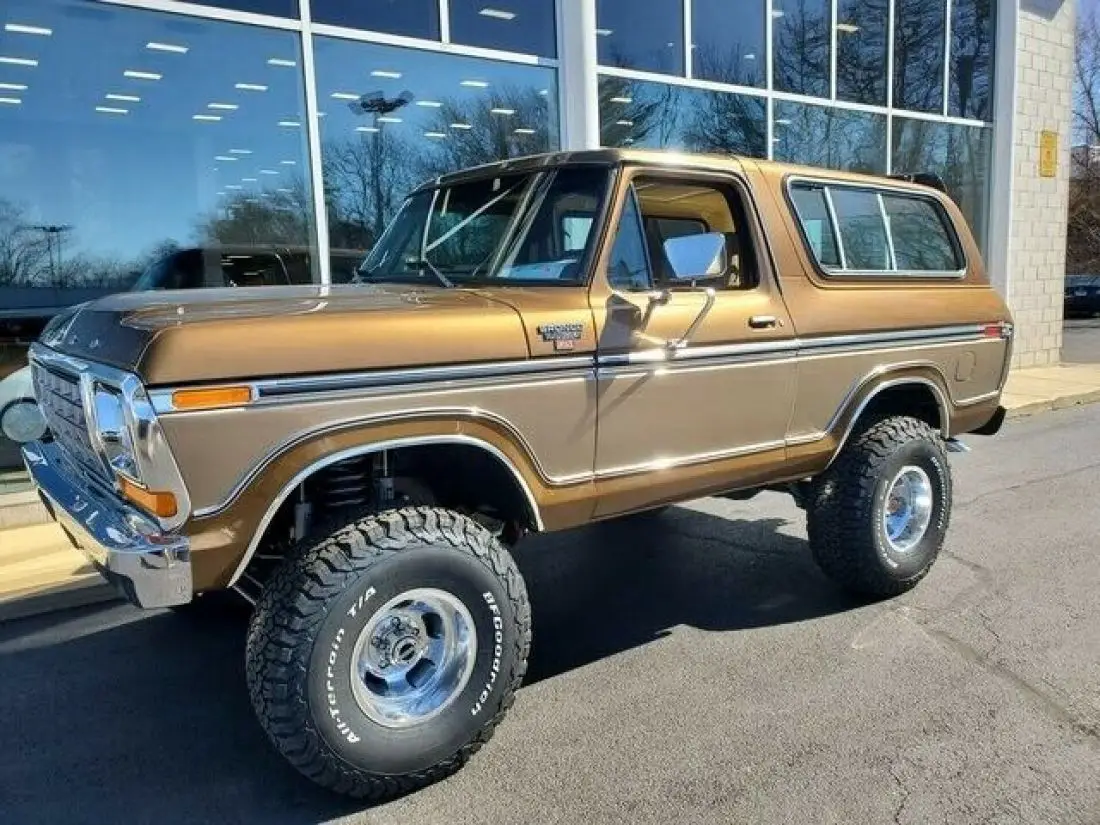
(59, 398)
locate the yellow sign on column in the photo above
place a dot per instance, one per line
(1048, 154)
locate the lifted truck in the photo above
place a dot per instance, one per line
(532, 345)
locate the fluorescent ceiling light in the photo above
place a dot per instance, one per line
(248, 180)
(20, 28)
(228, 107)
(240, 151)
(290, 124)
(435, 134)
(289, 162)
(278, 61)
(268, 172)
(782, 122)
(500, 110)
(233, 186)
(371, 129)
(210, 118)
(344, 96)
(544, 92)
(14, 87)
(385, 73)
(111, 110)
(430, 104)
(286, 191)
(252, 87)
(19, 61)
(136, 75)
(475, 84)
(847, 28)
(224, 157)
(499, 14)
(777, 13)
(750, 56)
(389, 119)
(461, 126)
(622, 99)
(625, 122)
(525, 131)
(604, 32)
(124, 98)
(166, 47)
(10, 101)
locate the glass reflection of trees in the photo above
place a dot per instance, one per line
(833, 138)
(920, 27)
(656, 115)
(801, 46)
(971, 91)
(959, 154)
(862, 32)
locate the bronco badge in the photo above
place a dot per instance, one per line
(563, 335)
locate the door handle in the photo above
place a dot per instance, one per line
(762, 321)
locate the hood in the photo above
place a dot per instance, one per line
(177, 337)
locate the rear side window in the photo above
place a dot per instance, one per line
(868, 231)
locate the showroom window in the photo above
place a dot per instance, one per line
(411, 18)
(729, 53)
(647, 114)
(920, 29)
(394, 117)
(632, 38)
(862, 32)
(510, 25)
(801, 46)
(132, 133)
(971, 69)
(829, 137)
(958, 154)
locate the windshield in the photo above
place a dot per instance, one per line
(531, 228)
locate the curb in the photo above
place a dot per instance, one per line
(1063, 402)
(75, 592)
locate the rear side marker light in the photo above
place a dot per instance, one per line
(209, 398)
(998, 330)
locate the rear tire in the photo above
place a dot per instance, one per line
(878, 516)
(381, 658)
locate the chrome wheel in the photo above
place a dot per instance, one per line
(413, 657)
(908, 511)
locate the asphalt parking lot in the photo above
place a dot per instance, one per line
(695, 670)
(1081, 341)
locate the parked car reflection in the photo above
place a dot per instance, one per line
(191, 268)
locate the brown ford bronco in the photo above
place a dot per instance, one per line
(532, 345)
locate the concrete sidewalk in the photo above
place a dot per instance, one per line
(40, 571)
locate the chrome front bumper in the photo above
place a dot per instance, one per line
(149, 567)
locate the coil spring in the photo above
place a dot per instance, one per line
(345, 484)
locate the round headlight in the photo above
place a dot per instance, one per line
(23, 422)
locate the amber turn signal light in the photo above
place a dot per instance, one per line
(205, 399)
(162, 505)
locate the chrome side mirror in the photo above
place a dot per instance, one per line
(694, 257)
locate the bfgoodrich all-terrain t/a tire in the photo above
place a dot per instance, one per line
(878, 516)
(382, 656)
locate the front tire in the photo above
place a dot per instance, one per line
(878, 516)
(382, 657)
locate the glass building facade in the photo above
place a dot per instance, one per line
(152, 143)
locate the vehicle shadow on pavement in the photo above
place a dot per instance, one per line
(114, 715)
(624, 583)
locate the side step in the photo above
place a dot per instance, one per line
(956, 446)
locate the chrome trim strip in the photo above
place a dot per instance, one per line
(375, 447)
(469, 413)
(687, 461)
(271, 390)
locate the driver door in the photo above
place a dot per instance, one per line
(711, 413)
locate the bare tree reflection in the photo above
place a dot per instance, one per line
(862, 34)
(972, 58)
(919, 31)
(636, 113)
(801, 55)
(833, 138)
